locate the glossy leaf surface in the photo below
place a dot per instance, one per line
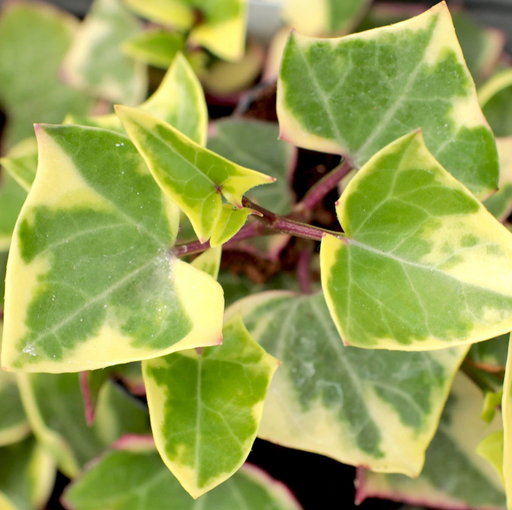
(179, 101)
(454, 475)
(140, 481)
(205, 408)
(95, 62)
(27, 475)
(194, 177)
(55, 410)
(423, 264)
(157, 47)
(90, 281)
(323, 17)
(340, 401)
(414, 76)
(27, 32)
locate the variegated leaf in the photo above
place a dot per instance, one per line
(156, 47)
(209, 262)
(54, 406)
(179, 101)
(126, 480)
(323, 17)
(34, 37)
(194, 177)
(12, 197)
(495, 98)
(95, 62)
(90, 281)
(205, 408)
(356, 94)
(254, 144)
(422, 265)
(500, 204)
(227, 80)
(341, 401)
(21, 162)
(223, 25)
(454, 476)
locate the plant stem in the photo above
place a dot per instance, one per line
(267, 224)
(326, 184)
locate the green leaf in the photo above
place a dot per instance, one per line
(454, 475)
(156, 47)
(195, 178)
(209, 262)
(91, 383)
(324, 17)
(229, 79)
(341, 401)
(490, 355)
(21, 162)
(205, 408)
(90, 281)
(31, 90)
(95, 63)
(423, 264)
(491, 449)
(356, 94)
(27, 475)
(254, 144)
(492, 402)
(500, 204)
(13, 422)
(222, 28)
(230, 221)
(12, 197)
(123, 480)
(179, 101)
(55, 410)
(495, 98)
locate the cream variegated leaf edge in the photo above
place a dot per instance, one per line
(58, 189)
(339, 401)
(410, 221)
(454, 475)
(205, 407)
(319, 118)
(195, 178)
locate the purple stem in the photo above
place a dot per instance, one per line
(326, 184)
(268, 223)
